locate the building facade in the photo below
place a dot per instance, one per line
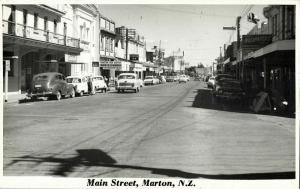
(36, 39)
(271, 66)
(108, 63)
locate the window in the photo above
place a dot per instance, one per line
(81, 32)
(45, 23)
(55, 26)
(291, 21)
(87, 34)
(35, 25)
(275, 25)
(25, 17)
(102, 43)
(111, 45)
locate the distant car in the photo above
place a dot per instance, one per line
(162, 79)
(211, 82)
(229, 89)
(50, 84)
(197, 78)
(176, 78)
(170, 78)
(80, 84)
(151, 80)
(182, 78)
(128, 81)
(99, 83)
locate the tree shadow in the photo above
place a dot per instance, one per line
(98, 158)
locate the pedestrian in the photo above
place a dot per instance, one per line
(90, 86)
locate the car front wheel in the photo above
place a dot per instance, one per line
(58, 95)
(72, 95)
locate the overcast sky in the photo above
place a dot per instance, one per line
(196, 29)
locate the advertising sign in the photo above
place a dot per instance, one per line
(255, 41)
(134, 57)
(111, 65)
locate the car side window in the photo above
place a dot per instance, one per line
(57, 77)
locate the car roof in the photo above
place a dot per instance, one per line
(76, 76)
(127, 74)
(50, 74)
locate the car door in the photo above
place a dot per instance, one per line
(62, 84)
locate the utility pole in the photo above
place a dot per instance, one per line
(126, 48)
(238, 32)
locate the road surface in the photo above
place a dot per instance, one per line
(169, 130)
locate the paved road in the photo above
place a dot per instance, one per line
(170, 130)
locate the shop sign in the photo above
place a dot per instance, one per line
(71, 58)
(134, 57)
(255, 41)
(95, 64)
(111, 65)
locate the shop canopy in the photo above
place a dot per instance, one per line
(283, 45)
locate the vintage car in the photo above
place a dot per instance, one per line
(162, 79)
(211, 82)
(170, 78)
(182, 78)
(50, 84)
(229, 89)
(80, 84)
(151, 80)
(99, 83)
(128, 81)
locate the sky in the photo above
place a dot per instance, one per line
(195, 29)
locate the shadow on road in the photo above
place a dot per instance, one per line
(204, 99)
(98, 158)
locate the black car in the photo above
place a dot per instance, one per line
(50, 84)
(230, 89)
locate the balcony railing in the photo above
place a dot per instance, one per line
(15, 29)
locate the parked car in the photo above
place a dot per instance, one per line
(222, 76)
(211, 82)
(229, 89)
(99, 83)
(170, 78)
(182, 78)
(188, 77)
(151, 80)
(176, 78)
(162, 79)
(197, 78)
(80, 84)
(128, 81)
(50, 84)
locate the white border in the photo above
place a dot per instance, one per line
(52, 182)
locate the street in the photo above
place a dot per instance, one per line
(167, 130)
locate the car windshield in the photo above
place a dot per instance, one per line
(126, 77)
(41, 77)
(73, 80)
(149, 77)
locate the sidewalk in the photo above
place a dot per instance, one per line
(13, 98)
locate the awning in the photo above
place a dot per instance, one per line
(283, 45)
(52, 61)
(226, 61)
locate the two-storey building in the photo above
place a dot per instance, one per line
(272, 66)
(36, 39)
(108, 63)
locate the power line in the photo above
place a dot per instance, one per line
(188, 12)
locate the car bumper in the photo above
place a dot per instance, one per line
(230, 96)
(41, 94)
(125, 88)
